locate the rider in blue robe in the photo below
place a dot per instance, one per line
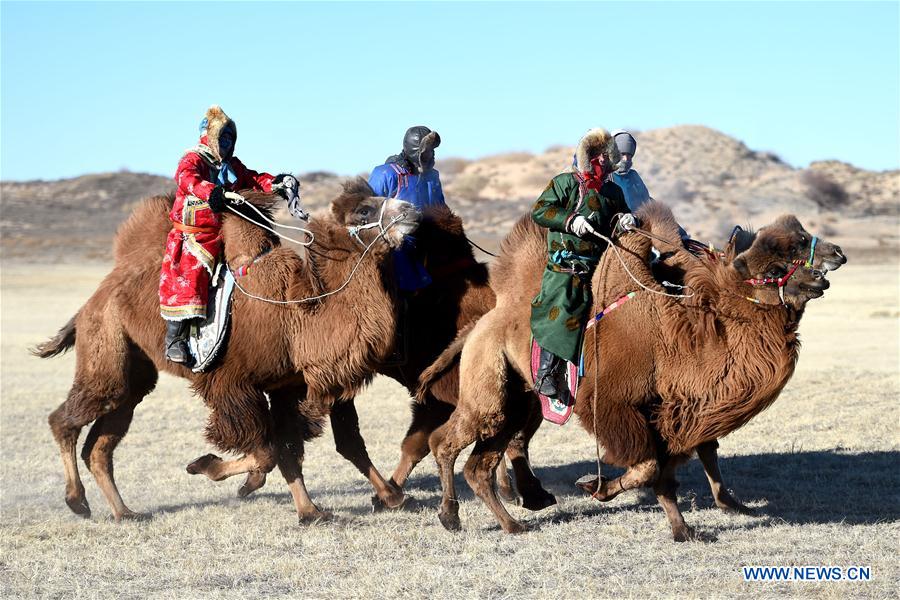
(411, 176)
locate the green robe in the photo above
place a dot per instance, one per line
(558, 311)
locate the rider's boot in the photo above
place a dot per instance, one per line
(176, 341)
(548, 376)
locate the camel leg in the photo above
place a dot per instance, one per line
(643, 474)
(426, 418)
(532, 492)
(708, 455)
(479, 473)
(350, 444)
(66, 433)
(108, 431)
(85, 403)
(217, 469)
(239, 421)
(291, 431)
(97, 453)
(665, 488)
(446, 443)
(504, 483)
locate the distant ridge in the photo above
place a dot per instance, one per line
(711, 180)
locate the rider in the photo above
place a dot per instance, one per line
(411, 176)
(628, 179)
(574, 206)
(204, 174)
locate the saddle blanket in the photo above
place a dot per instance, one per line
(556, 410)
(207, 337)
(559, 410)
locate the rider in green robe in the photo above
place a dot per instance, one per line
(573, 207)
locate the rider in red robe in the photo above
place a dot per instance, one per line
(204, 174)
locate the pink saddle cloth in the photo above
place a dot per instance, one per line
(556, 410)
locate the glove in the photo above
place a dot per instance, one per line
(581, 227)
(217, 200)
(628, 222)
(286, 184)
(289, 188)
(296, 210)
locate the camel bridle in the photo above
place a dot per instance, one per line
(383, 229)
(782, 281)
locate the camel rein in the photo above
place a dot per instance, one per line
(238, 200)
(628, 271)
(354, 233)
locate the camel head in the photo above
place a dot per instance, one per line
(790, 240)
(368, 216)
(776, 266)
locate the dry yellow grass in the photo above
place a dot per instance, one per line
(820, 468)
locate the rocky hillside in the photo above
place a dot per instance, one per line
(710, 180)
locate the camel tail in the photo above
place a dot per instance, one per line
(444, 361)
(61, 342)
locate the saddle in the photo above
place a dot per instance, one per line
(206, 338)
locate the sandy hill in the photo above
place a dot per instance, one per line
(711, 181)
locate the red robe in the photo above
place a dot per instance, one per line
(191, 255)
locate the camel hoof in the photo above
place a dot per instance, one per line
(200, 466)
(130, 515)
(314, 516)
(684, 534)
(79, 506)
(253, 482)
(596, 487)
(515, 528)
(392, 502)
(730, 505)
(450, 521)
(508, 495)
(539, 501)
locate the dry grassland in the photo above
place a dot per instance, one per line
(820, 468)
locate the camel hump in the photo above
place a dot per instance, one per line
(61, 342)
(658, 219)
(525, 239)
(146, 227)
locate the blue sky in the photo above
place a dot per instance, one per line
(98, 87)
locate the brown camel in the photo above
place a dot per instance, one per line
(673, 375)
(449, 307)
(430, 320)
(316, 351)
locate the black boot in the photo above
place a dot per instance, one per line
(176, 342)
(547, 379)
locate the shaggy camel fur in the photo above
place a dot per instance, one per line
(672, 375)
(430, 320)
(316, 351)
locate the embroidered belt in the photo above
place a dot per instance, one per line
(191, 229)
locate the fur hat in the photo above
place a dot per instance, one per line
(214, 123)
(594, 143)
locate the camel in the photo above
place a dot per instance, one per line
(672, 375)
(317, 351)
(430, 320)
(449, 307)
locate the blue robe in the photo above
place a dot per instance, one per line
(636, 193)
(633, 188)
(422, 190)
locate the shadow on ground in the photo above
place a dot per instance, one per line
(800, 487)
